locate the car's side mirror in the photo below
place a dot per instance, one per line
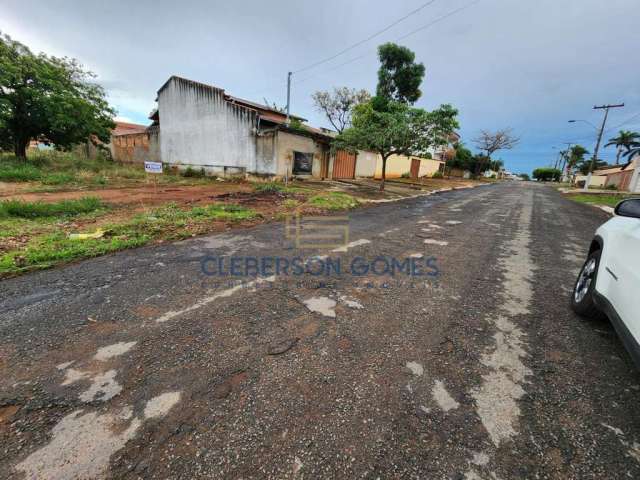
(628, 208)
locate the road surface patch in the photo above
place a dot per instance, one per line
(415, 368)
(431, 241)
(322, 305)
(211, 298)
(442, 397)
(110, 351)
(355, 243)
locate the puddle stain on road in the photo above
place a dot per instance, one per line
(82, 443)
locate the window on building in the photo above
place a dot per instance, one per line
(302, 163)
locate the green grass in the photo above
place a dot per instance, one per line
(13, 172)
(49, 248)
(268, 187)
(333, 201)
(19, 208)
(599, 199)
(56, 170)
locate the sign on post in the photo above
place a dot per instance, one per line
(153, 167)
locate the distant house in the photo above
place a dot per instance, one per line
(134, 143)
(624, 177)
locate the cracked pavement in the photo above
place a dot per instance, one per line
(137, 365)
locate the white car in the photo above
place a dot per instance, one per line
(609, 282)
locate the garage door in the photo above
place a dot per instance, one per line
(344, 165)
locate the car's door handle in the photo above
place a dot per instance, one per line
(612, 274)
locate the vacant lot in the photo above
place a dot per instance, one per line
(59, 207)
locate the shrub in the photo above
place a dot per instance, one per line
(406, 175)
(546, 174)
(437, 174)
(193, 173)
(611, 187)
(269, 187)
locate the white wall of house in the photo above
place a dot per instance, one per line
(201, 129)
(366, 163)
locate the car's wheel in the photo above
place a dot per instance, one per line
(582, 299)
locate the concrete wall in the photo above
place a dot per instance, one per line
(288, 143)
(366, 163)
(201, 129)
(596, 180)
(397, 165)
(428, 167)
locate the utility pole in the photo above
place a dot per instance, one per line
(288, 96)
(595, 152)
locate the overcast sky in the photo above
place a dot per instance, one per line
(529, 65)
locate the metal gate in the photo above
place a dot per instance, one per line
(344, 164)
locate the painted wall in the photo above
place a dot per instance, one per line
(596, 180)
(428, 167)
(288, 143)
(200, 128)
(397, 165)
(366, 163)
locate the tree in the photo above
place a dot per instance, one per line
(338, 106)
(585, 165)
(490, 142)
(576, 157)
(633, 151)
(399, 77)
(524, 176)
(546, 174)
(399, 129)
(49, 98)
(625, 140)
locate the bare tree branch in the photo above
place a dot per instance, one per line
(490, 143)
(337, 106)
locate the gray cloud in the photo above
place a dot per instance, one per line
(528, 65)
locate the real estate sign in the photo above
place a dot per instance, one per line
(153, 167)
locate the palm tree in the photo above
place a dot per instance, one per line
(626, 140)
(632, 151)
(576, 156)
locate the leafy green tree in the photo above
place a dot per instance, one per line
(399, 77)
(576, 157)
(585, 165)
(625, 140)
(399, 129)
(546, 174)
(524, 176)
(48, 98)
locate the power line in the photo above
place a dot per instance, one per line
(370, 37)
(424, 27)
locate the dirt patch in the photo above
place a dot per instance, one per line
(142, 195)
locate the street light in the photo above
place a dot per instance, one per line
(600, 131)
(584, 121)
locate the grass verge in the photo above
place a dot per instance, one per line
(49, 246)
(333, 201)
(599, 199)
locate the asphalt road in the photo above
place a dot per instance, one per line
(138, 365)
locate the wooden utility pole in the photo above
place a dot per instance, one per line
(594, 160)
